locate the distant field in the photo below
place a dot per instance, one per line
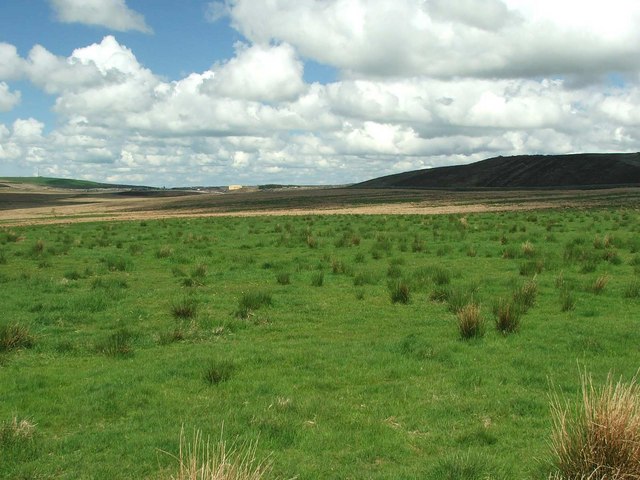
(331, 339)
(31, 205)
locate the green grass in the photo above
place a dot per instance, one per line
(111, 349)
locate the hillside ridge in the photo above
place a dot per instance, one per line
(523, 171)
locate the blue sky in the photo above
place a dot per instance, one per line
(300, 91)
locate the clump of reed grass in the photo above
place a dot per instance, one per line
(599, 284)
(508, 314)
(164, 251)
(251, 301)
(531, 267)
(526, 294)
(15, 336)
(632, 290)
(171, 336)
(317, 279)
(202, 460)
(458, 297)
(218, 371)
(199, 271)
(118, 344)
(117, 264)
(312, 242)
(38, 247)
(567, 300)
(185, 308)
(283, 278)
(365, 278)
(440, 276)
(16, 431)
(399, 291)
(470, 322)
(599, 437)
(338, 267)
(528, 250)
(394, 271)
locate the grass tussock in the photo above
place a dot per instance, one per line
(526, 294)
(283, 278)
(202, 460)
(528, 250)
(118, 344)
(251, 301)
(165, 251)
(440, 276)
(184, 309)
(599, 438)
(508, 314)
(470, 322)
(218, 372)
(399, 292)
(632, 290)
(457, 297)
(317, 279)
(16, 431)
(15, 336)
(599, 284)
(567, 300)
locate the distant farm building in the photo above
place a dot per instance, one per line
(234, 187)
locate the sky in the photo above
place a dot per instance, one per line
(191, 92)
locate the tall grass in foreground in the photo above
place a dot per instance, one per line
(599, 439)
(201, 460)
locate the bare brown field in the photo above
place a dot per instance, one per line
(20, 205)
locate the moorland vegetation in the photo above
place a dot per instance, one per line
(349, 346)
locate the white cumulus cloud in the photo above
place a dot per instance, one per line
(11, 65)
(8, 99)
(487, 38)
(259, 72)
(112, 14)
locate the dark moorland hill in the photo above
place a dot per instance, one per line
(66, 183)
(523, 171)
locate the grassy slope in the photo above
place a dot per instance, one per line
(336, 380)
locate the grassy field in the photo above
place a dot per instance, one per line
(348, 346)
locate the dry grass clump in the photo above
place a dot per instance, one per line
(15, 336)
(164, 251)
(201, 460)
(507, 315)
(15, 431)
(470, 322)
(598, 285)
(528, 250)
(526, 294)
(598, 439)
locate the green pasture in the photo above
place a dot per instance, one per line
(332, 341)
